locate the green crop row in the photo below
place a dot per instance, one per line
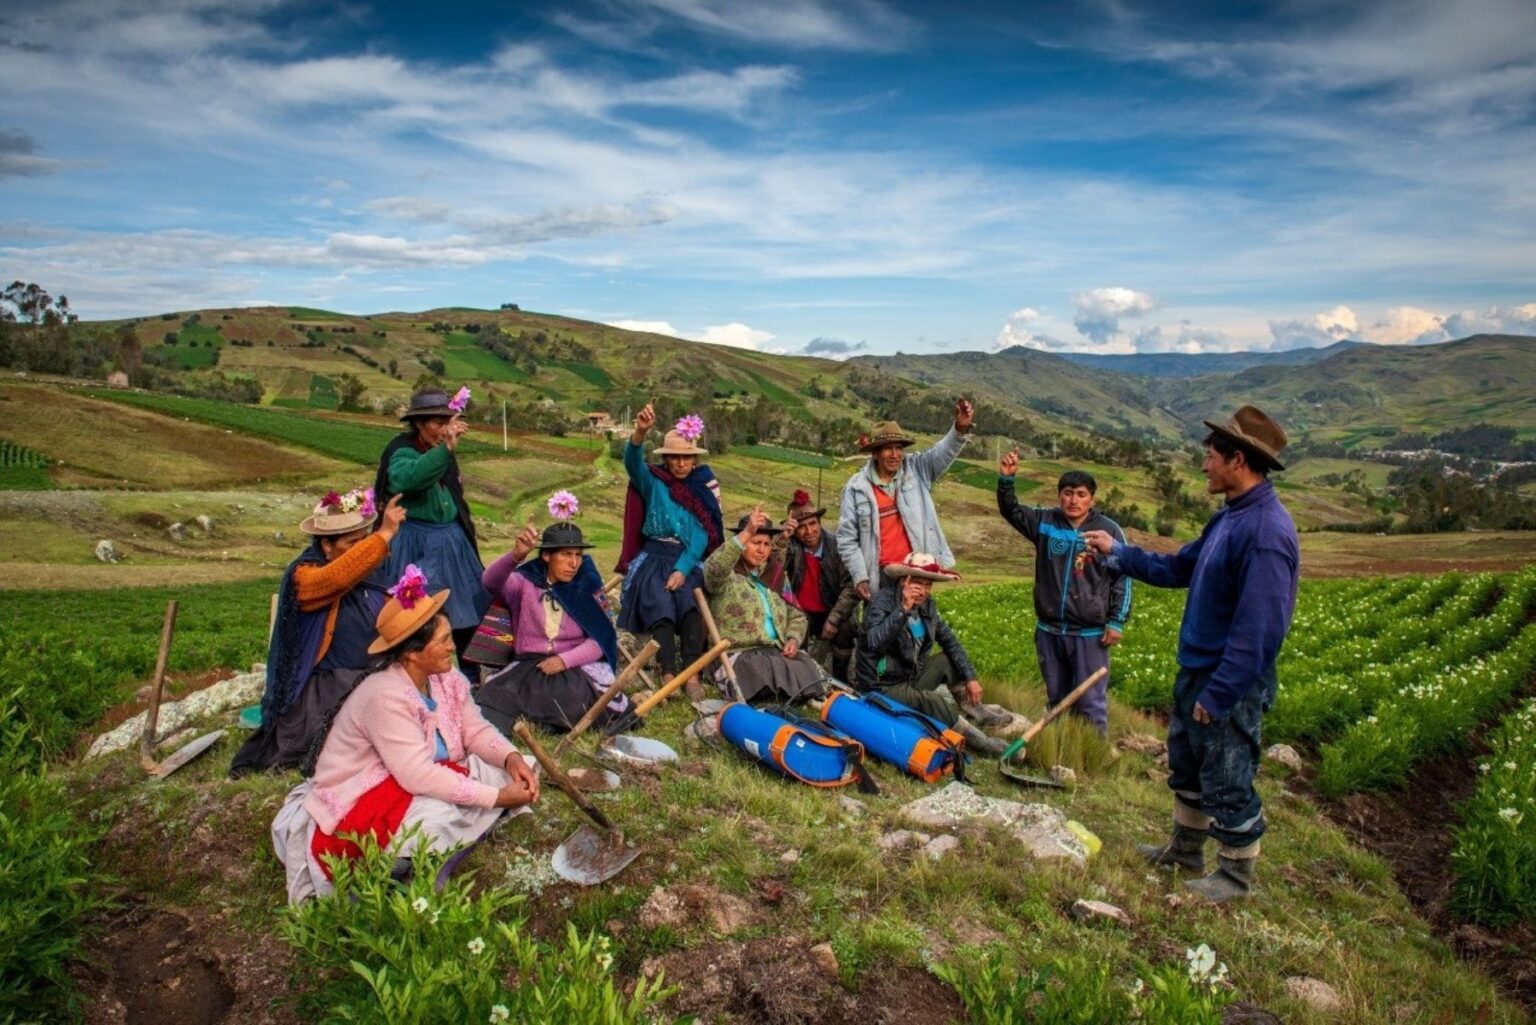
(779, 454)
(22, 469)
(1494, 859)
(354, 442)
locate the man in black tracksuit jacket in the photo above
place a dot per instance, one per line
(1080, 604)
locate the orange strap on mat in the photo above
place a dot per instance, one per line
(787, 732)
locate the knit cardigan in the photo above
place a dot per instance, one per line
(384, 729)
(738, 611)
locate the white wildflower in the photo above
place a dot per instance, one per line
(420, 905)
(476, 946)
(499, 1013)
(1509, 814)
(1202, 961)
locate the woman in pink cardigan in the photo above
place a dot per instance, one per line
(408, 749)
(564, 646)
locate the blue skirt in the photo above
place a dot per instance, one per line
(442, 551)
(644, 600)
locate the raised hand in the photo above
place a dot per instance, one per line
(644, 421)
(1009, 464)
(527, 541)
(755, 520)
(393, 516)
(965, 415)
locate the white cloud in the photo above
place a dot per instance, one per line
(1019, 329)
(1187, 339)
(1100, 310)
(1406, 325)
(655, 327)
(808, 24)
(736, 335)
(1325, 328)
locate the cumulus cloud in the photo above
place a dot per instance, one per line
(1324, 328)
(1407, 325)
(1100, 310)
(1019, 329)
(1187, 338)
(736, 335)
(1513, 320)
(833, 347)
(655, 327)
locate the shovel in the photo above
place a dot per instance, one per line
(160, 770)
(1011, 760)
(636, 716)
(587, 857)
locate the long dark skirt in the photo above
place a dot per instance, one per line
(284, 743)
(645, 600)
(764, 674)
(522, 691)
(442, 551)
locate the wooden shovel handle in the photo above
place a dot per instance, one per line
(558, 775)
(694, 668)
(1064, 704)
(152, 714)
(613, 691)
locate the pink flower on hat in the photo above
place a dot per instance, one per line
(460, 399)
(691, 427)
(563, 505)
(411, 588)
(369, 509)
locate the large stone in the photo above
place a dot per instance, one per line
(851, 806)
(106, 551)
(1141, 743)
(1099, 911)
(1315, 993)
(1286, 755)
(178, 531)
(1039, 828)
(939, 846)
(901, 839)
(235, 692)
(686, 906)
(205, 524)
(825, 960)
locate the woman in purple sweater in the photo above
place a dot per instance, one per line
(565, 647)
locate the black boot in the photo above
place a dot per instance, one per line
(976, 741)
(1184, 849)
(1232, 879)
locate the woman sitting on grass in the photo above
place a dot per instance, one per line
(565, 645)
(326, 605)
(407, 750)
(765, 630)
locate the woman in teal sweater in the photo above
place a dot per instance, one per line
(438, 535)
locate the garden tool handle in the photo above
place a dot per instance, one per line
(558, 775)
(1064, 704)
(152, 714)
(693, 669)
(630, 671)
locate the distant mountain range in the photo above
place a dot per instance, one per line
(1180, 364)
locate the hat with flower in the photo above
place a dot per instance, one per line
(408, 608)
(682, 440)
(337, 514)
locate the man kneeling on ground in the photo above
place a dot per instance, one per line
(896, 656)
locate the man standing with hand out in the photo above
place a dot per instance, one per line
(887, 509)
(1241, 574)
(1080, 604)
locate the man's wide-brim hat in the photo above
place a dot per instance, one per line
(324, 522)
(766, 528)
(886, 432)
(396, 622)
(1253, 429)
(922, 566)
(562, 535)
(674, 444)
(431, 402)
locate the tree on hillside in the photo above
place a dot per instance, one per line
(30, 304)
(349, 391)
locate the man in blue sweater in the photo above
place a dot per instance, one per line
(1241, 574)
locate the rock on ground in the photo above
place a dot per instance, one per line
(1141, 743)
(686, 905)
(1315, 993)
(825, 960)
(851, 806)
(106, 551)
(1063, 775)
(1039, 828)
(939, 846)
(900, 839)
(1286, 755)
(1098, 910)
(205, 524)
(178, 531)
(235, 692)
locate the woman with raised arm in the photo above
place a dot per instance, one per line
(672, 523)
(407, 753)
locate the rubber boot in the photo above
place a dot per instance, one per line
(1233, 879)
(986, 716)
(1184, 849)
(977, 741)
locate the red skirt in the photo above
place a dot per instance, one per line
(380, 812)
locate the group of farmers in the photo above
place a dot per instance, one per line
(399, 662)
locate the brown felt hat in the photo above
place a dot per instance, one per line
(800, 507)
(674, 444)
(886, 432)
(396, 622)
(1253, 429)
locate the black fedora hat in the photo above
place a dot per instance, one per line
(431, 402)
(562, 535)
(766, 528)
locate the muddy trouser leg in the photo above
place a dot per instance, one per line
(930, 692)
(814, 645)
(842, 649)
(690, 633)
(664, 633)
(461, 640)
(1213, 764)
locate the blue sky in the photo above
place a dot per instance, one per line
(795, 176)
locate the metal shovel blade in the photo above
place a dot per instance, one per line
(186, 754)
(588, 857)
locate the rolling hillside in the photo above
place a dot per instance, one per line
(1182, 364)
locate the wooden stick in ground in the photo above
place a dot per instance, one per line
(617, 687)
(693, 669)
(708, 617)
(1064, 704)
(552, 767)
(152, 714)
(630, 654)
(272, 618)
